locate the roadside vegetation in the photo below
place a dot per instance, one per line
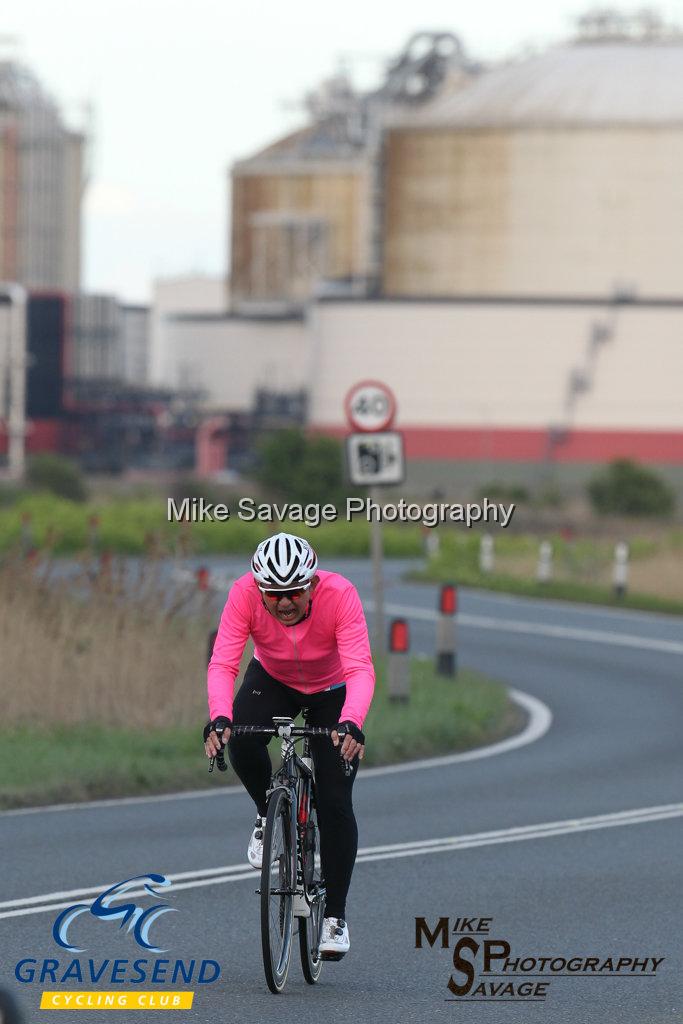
(582, 563)
(53, 514)
(626, 488)
(631, 505)
(105, 696)
(582, 568)
(139, 526)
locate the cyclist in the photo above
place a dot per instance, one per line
(311, 650)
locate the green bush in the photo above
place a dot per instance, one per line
(303, 469)
(10, 494)
(54, 473)
(549, 496)
(626, 488)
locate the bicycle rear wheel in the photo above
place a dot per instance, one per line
(278, 883)
(310, 928)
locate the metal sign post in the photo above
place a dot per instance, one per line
(377, 554)
(374, 457)
(13, 375)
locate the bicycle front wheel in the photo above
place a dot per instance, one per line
(278, 883)
(310, 928)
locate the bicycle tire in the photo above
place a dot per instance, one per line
(277, 910)
(310, 928)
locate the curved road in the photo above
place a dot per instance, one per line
(572, 845)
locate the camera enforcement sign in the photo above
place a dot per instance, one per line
(375, 458)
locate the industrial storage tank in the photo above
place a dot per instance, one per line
(297, 208)
(555, 175)
(307, 208)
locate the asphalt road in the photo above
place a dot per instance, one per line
(540, 839)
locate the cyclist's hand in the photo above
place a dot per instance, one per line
(212, 743)
(353, 743)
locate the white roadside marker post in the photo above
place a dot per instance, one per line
(486, 558)
(431, 541)
(620, 571)
(544, 570)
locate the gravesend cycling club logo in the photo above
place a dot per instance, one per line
(117, 906)
(485, 969)
(138, 919)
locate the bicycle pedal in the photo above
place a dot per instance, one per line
(332, 956)
(301, 907)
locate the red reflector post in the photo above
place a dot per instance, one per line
(202, 578)
(448, 601)
(398, 662)
(399, 637)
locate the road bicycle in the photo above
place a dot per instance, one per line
(290, 874)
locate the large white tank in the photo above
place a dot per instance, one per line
(554, 175)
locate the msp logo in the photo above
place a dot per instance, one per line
(487, 970)
(138, 919)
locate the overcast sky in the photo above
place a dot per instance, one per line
(180, 90)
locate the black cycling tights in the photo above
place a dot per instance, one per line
(260, 698)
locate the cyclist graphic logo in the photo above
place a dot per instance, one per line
(139, 919)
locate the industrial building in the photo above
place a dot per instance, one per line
(109, 340)
(502, 246)
(552, 176)
(309, 207)
(74, 373)
(41, 185)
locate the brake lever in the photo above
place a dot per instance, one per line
(346, 765)
(220, 756)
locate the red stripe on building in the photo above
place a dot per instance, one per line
(497, 444)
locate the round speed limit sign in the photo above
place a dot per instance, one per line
(370, 406)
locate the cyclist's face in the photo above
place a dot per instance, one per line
(288, 606)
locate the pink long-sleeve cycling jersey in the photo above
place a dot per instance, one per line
(329, 646)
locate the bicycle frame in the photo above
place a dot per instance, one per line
(295, 775)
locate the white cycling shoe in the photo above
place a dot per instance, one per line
(255, 848)
(335, 941)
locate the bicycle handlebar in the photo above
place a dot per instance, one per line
(293, 730)
(297, 731)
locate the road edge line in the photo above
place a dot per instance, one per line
(540, 720)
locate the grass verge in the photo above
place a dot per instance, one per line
(561, 590)
(81, 761)
(138, 527)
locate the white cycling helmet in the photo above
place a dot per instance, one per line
(284, 561)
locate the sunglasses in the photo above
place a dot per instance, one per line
(293, 595)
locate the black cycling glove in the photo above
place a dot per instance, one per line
(352, 729)
(217, 723)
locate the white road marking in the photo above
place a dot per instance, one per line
(95, 890)
(124, 801)
(392, 851)
(540, 719)
(600, 636)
